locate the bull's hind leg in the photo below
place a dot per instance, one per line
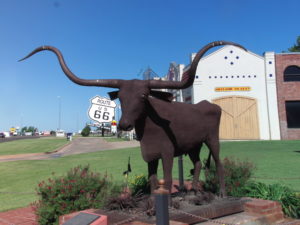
(152, 174)
(167, 163)
(195, 158)
(214, 147)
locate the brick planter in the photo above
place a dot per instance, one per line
(256, 211)
(271, 211)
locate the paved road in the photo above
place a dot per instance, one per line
(77, 146)
(14, 138)
(83, 145)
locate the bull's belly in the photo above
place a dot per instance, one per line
(167, 148)
(157, 142)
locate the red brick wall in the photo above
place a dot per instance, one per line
(286, 91)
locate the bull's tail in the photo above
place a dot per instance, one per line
(207, 165)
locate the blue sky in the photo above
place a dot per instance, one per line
(116, 39)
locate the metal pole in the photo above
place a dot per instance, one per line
(180, 173)
(161, 204)
(59, 112)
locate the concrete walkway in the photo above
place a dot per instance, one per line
(77, 146)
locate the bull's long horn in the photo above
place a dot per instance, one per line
(113, 83)
(189, 76)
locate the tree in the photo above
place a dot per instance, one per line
(296, 47)
(86, 131)
(24, 129)
(29, 129)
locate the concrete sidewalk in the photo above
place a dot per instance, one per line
(77, 146)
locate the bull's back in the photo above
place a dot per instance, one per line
(209, 109)
(203, 120)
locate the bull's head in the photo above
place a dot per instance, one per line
(133, 94)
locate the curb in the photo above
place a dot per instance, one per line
(58, 149)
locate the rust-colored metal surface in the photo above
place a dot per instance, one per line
(189, 214)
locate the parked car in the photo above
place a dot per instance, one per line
(2, 135)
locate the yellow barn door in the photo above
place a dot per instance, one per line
(239, 117)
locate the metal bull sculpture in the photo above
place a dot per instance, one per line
(164, 128)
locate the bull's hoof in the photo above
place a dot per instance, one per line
(199, 198)
(222, 194)
(198, 187)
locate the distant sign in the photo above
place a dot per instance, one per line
(12, 130)
(225, 89)
(102, 109)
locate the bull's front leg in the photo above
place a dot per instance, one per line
(152, 174)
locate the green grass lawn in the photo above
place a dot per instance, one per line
(275, 161)
(36, 145)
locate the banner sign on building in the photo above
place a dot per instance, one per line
(225, 89)
(102, 109)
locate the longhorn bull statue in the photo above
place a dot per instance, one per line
(164, 128)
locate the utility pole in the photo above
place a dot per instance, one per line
(59, 112)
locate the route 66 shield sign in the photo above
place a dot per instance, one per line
(102, 109)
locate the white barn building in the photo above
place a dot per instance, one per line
(243, 84)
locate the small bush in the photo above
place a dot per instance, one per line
(78, 190)
(86, 131)
(236, 175)
(140, 185)
(289, 200)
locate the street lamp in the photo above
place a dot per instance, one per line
(59, 111)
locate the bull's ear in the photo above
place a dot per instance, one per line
(113, 95)
(166, 96)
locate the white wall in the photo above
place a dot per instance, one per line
(270, 75)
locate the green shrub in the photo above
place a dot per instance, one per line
(78, 190)
(86, 131)
(139, 185)
(289, 199)
(236, 175)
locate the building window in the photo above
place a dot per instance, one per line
(291, 73)
(292, 109)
